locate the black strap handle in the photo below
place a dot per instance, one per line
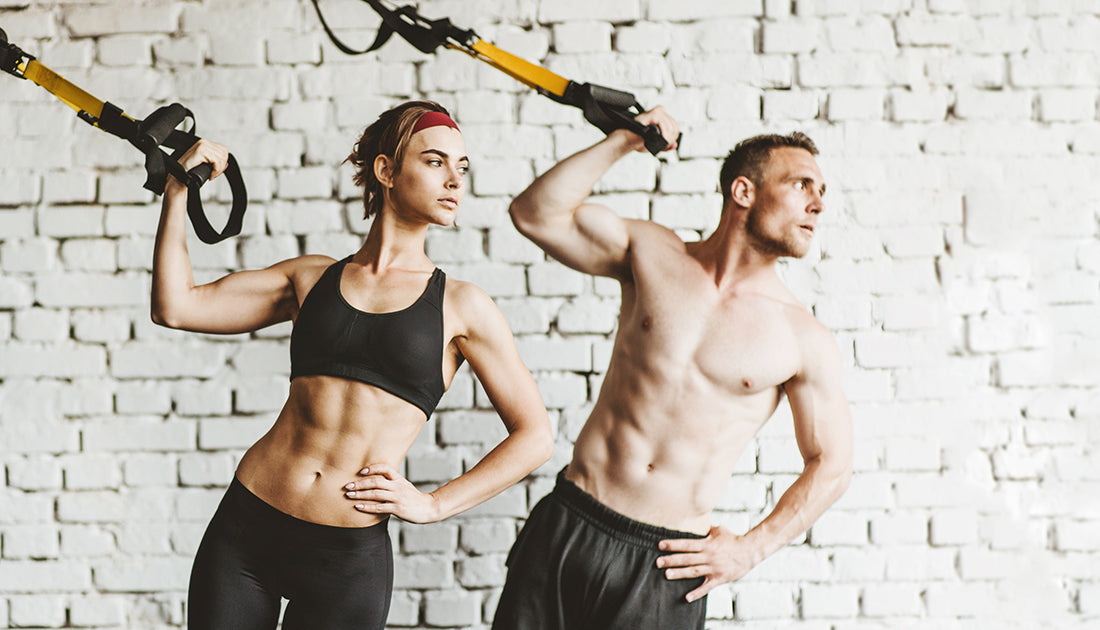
(610, 109)
(198, 176)
(159, 130)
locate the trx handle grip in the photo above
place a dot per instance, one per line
(159, 130)
(154, 130)
(610, 109)
(201, 173)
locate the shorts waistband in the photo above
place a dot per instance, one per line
(616, 525)
(273, 520)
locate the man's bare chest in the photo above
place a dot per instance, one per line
(682, 328)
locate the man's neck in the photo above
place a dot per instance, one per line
(733, 258)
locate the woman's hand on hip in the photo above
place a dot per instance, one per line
(383, 490)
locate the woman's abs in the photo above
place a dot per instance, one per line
(301, 465)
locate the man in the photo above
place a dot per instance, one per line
(709, 341)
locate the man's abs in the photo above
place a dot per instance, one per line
(664, 469)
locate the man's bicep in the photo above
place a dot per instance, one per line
(822, 418)
(593, 240)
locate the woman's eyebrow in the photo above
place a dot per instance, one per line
(443, 154)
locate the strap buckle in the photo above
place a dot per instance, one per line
(12, 57)
(424, 34)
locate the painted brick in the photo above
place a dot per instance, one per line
(423, 571)
(482, 571)
(890, 600)
(956, 266)
(614, 10)
(134, 434)
(829, 601)
(855, 104)
(762, 601)
(954, 527)
(97, 610)
(234, 433)
(43, 611)
(26, 576)
(789, 36)
(486, 536)
(452, 608)
(31, 542)
(91, 472)
(582, 37)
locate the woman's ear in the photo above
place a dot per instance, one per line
(383, 170)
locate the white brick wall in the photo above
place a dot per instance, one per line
(958, 264)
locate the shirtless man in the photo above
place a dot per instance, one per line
(709, 341)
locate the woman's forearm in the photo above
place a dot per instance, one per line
(172, 275)
(514, 458)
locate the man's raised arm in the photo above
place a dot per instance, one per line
(552, 211)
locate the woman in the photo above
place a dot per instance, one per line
(377, 339)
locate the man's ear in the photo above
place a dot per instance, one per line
(383, 170)
(743, 192)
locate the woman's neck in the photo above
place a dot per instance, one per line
(393, 243)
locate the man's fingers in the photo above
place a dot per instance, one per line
(704, 588)
(680, 560)
(683, 573)
(690, 545)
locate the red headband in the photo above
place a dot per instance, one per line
(433, 119)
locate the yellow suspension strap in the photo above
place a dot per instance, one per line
(148, 136)
(604, 107)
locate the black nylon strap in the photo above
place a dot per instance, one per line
(384, 33)
(159, 130)
(196, 177)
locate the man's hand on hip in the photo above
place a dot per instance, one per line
(721, 557)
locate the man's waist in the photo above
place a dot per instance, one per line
(651, 499)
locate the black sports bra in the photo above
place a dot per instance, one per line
(400, 351)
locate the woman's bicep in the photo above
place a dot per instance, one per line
(242, 301)
(250, 300)
(491, 350)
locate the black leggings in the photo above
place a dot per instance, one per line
(252, 555)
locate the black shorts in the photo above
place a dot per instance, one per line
(252, 555)
(578, 565)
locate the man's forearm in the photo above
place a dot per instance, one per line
(819, 486)
(564, 187)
